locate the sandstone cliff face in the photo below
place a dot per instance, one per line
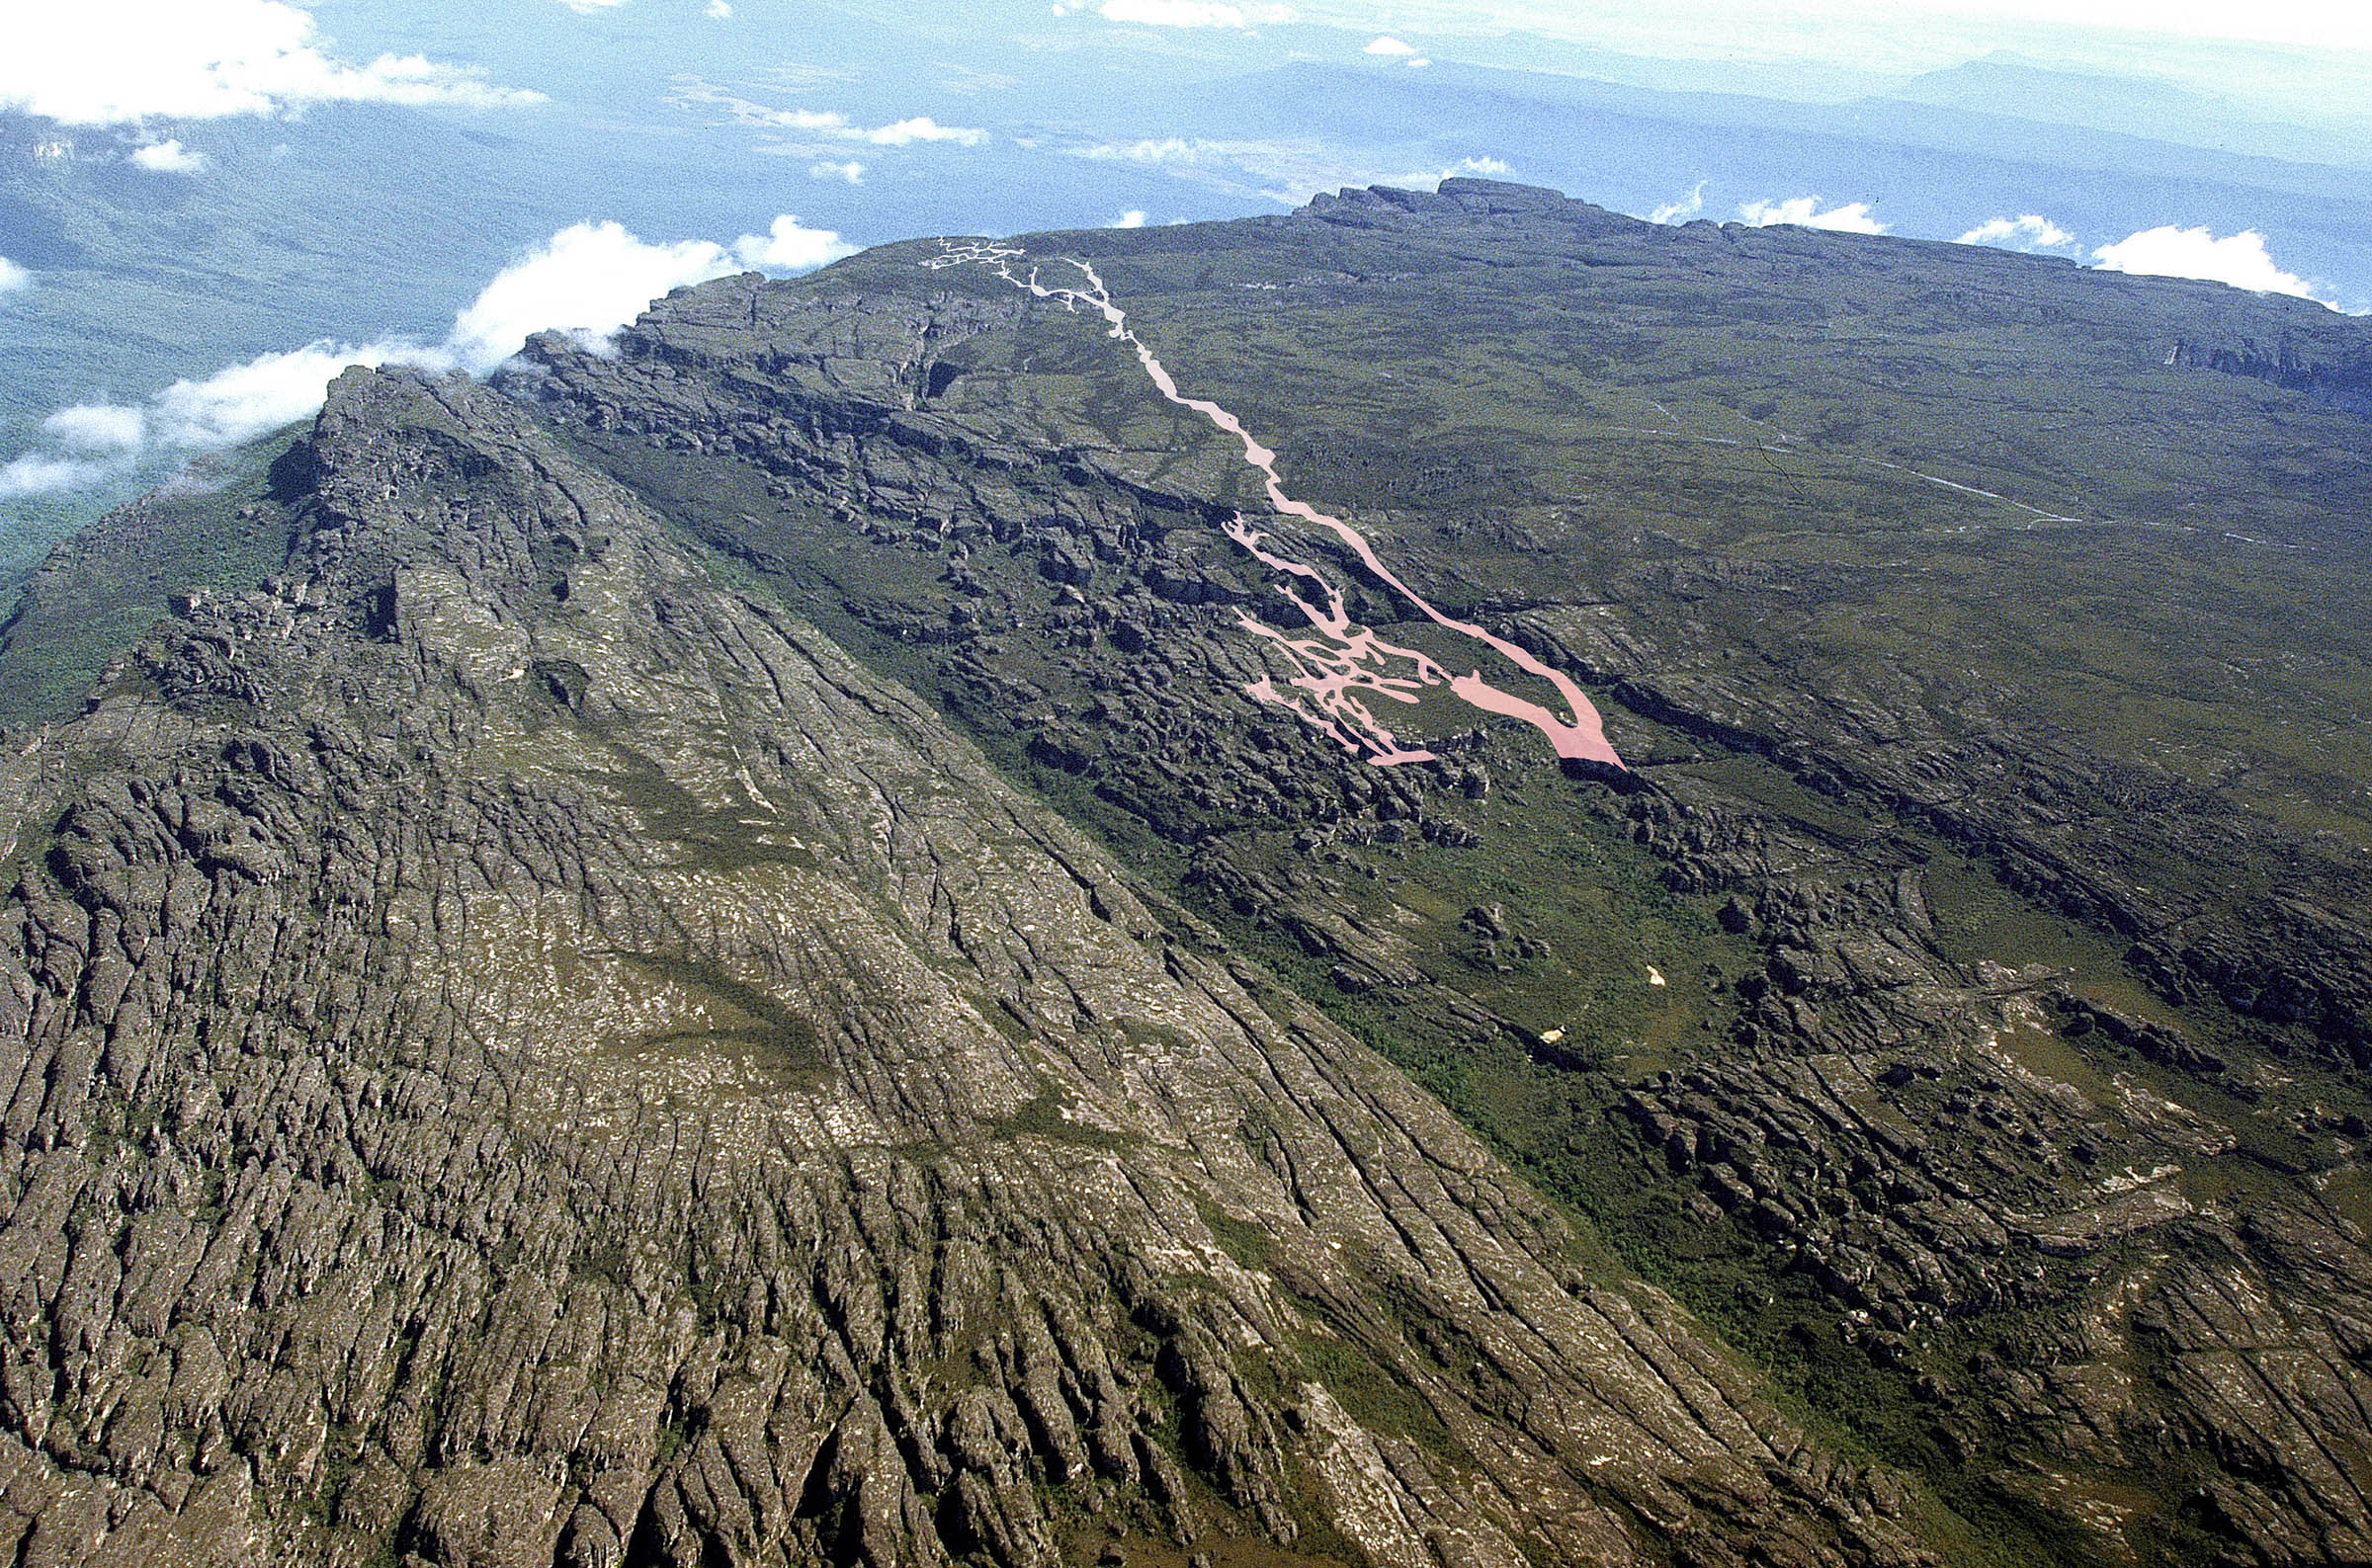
(524, 1053)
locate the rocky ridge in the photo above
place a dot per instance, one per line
(536, 1050)
(529, 1053)
(1938, 1148)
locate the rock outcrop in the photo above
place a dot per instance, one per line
(718, 967)
(530, 1055)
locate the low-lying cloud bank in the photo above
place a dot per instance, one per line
(170, 157)
(2169, 251)
(103, 63)
(36, 474)
(591, 279)
(587, 281)
(1852, 217)
(2239, 260)
(827, 124)
(96, 427)
(2028, 231)
(1681, 210)
(1397, 49)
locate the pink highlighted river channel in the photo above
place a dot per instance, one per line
(1341, 667)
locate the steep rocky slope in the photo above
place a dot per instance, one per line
(722, 966)
(531, 1054)
(1991, 850)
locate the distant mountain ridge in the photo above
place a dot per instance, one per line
(363, 222)
(2023, 89)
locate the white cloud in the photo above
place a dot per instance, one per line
(2239, 260)
(1167, 149)
(591, 279)
(826, 122)
(170, 157)
(585, 8)
(1390, 45)
(12, 277)
(243, 401)
(720, 10)
(789, 247)
(98, 427)
(98, 63)
(1193, 13)
(921, 127)
(587, 281)
(36, 474)
(1851, 219)
(1134, 218)
(1686, 207)
(852, 171)
(234, 405)
(2026, 231)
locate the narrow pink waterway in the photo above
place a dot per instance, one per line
(1343, 667)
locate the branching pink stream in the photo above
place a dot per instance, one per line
(1341, 667)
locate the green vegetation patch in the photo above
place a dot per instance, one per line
(224, 528)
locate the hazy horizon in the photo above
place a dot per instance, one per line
(211, 206)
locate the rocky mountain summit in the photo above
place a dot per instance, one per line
(702, 955)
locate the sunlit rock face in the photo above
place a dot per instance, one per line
(531, 1054)
(722, 952)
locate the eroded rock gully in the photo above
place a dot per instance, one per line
(528, 1053)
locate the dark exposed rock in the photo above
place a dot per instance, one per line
(508, 1077)
(531, 1051)
(1869, 1121)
